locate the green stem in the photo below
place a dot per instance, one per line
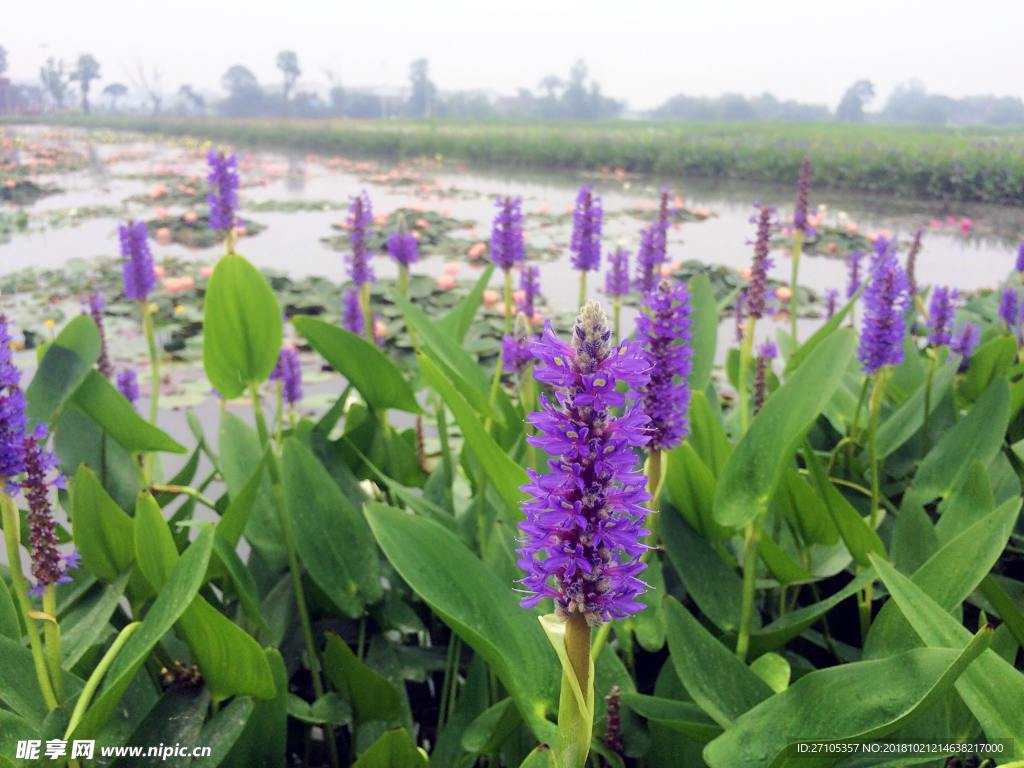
(509, 309)
(453, 689)
(277, 488)
(364, 302)
(751, 543)
(746, 352)
(97, 676)
(583, 287)
(229, 241)
(51, 630)
(874, 408)
(446, 452)
(154, 362)
(616, 311)
(188, 491)
(403, 280)
(852, 434)
(574, 740)
(12, 536)
(361, 643)
(528, 399)
(797, 248)
(442, 699)
(654, 483)
(928, 402)
(279, 415)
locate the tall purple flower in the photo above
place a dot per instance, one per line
(515, 346)
(288, 371)
(1019, 266)
(360, 218)
(664, 332)
(352, 319)
(128, 385)
(616, 281)
(803, 190)
(741, 300)
(915, 248)
(507, 248)
(48, 565)
(650, 257)
(13, 423)
(758, 287)
(831, 301)
(853, 265)
(403, 248)
(223, 195)
(1009, 307)
(766, 352)
(529, 284)
(584, 517)
(940, 315)
(964, 342)
(137, 270)
(586, 230)
(886, 298)
(96, 305)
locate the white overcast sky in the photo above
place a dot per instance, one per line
(641, 50)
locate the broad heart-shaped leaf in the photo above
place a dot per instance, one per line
(78, 440)
(242, 327)
(481, 609)
(264, 741)
(373, 696)
(755, 466)
(908, 418)
(65, 364)
(721, 684)
(395, 749)
(991, 687)
(690, 486)
(853, 702)
(976, 437)
(948, 577)
(503, 472)
(488, 730)
(231, 661)
(683, 716)
(98, 399)
(364, 366)
(704, 327)
(457, 322)
(331, 537)
(171, 602)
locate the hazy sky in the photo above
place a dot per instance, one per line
(641, 50)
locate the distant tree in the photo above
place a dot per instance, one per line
(288, 63)
(151, 83)
(423, 91)
(191, 99)
(857, 96)
(55, 80)
(3, 60)
(115, 91)
(245, 96)
(86, 70)
(552, 86)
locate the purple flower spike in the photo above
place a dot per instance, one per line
(915, 248)
(12, 415)
(128, 385)
(224, 184)
(582, 534)
(403, 248)
(758, 287)
(289, 372)
(803, 190)
(48, 566)
(940, 315)
(586, 230)
(886, 297)
(1019, 266)
(964, 342)
(360, 218)
(831, 300)
(137, 270)
(650, 257)
(1009, 307)
(741, 300)
(616, 282)
(507, 248)
(853, 265)
(664, 332)
(352, 319)
(529, 284)
(766, 352)
(96, 305)
(515, 346)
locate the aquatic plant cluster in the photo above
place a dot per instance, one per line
(612, 551)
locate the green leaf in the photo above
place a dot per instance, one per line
(171, 602)
(79, 440)
(392, 750)
(490, 729)
(991, 687)
(906, 420)
(98, 399)
(364, 366)
(65, 364)
(10, 626)
(855, 531)
(648, 623)
(502, 471)
(690, 486)
(707, 436)
(457, 322)
(541, 757)
(232, 523)
(242, 327)
(241, 579)
(222, 731)
(473, 699)
(19, 686)
(264, 742)
(756, 464)
(852, 702)
(969, 502)
(783, 567)
(373, 697)
(825, 332)
(773, 669)
(481, 609)
(704, 327)
(805, 510)
(329, 709)
(176, 718)
(337, 547)
(913, 537)
(76, 640)
(976, 437)
(989, 362)
(721, 684)
(713, 585)
(683, 716)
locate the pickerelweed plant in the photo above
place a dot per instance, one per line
(801, 227)
(586, 236)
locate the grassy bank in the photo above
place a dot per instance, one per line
(976, 164)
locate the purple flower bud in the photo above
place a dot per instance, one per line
(137, 270)
(613, 722)
(360, 219)
(128, 385)
(831, 300)
(515, 346)
(664, 332)
(582, 534)
(586, 230)
(803, 190)
(616, 282)
(13, 423)
(886, 298)
(940, 315)
(964, 342)
(650, 257)
(915, 248)
(507, 248)
(766, 352)
(96, 305)
(758, 287)
(402, 246)
(352, 313)
(223, 195)
(48, 566)
(529, 284)
(1009, 306)
(1019, 266)
(288, 371)
(853, 265)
